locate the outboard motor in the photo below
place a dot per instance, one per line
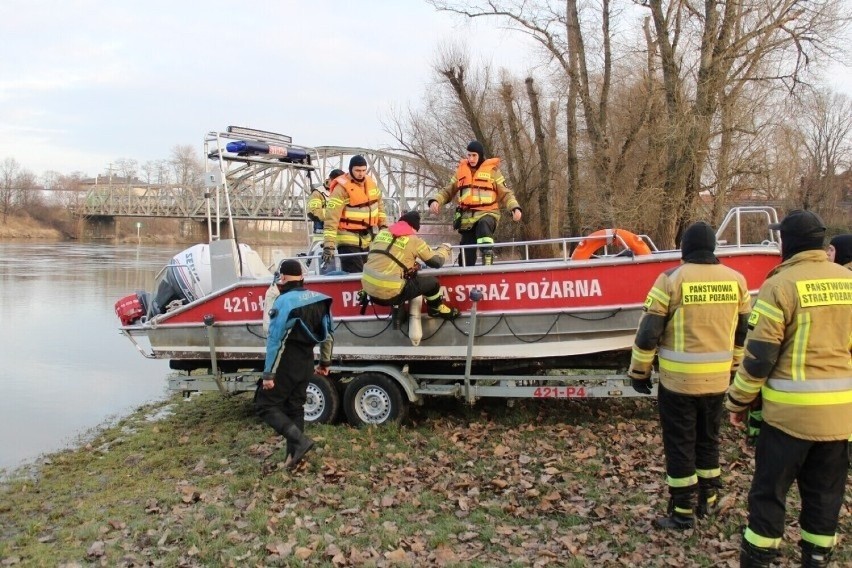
(130, 308)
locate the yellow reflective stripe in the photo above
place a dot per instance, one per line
(807, 398)
(484, 240)
(824, 541)
(739, 352)
(743, 385)
(709, 473)
(682, 481)
(677, 322)
(766, 309)
(689, 368)
(684, 357)
(334, 202)
(800, 346)
(761, 541)
(683, 511)
(381, 283)
(643, 356)
(659, 296)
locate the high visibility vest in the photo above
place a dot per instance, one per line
(362, 212)
(477, 189)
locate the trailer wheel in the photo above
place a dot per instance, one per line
(323, 403)
(373, 398)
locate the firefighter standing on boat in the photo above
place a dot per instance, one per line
(353, 213)
(481, 190)
(695, 322)
(299, 320)
(390, 275)
(798, 358)
(317, 201)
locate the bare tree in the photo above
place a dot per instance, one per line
(827, 140)
(149, 171)
(9, 170)
(128, 168)
(187, 168)
(732, 42)
(27, 194)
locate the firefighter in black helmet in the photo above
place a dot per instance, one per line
(695, 324)
(481, 190)
(797, 358)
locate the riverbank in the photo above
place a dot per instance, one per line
(23, 227)
(201, 483)
(157, 231)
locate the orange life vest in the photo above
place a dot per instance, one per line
(477, 190)
(362, 212)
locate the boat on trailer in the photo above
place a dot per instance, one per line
(544, 307)
(521, 319)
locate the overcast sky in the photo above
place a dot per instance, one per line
(85, 82)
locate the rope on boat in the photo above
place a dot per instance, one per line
(484, 333)
(381, 331)
(502, 317)
(248, 328)
(545, 334)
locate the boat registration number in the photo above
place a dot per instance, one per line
(242, 304)
(559, 392)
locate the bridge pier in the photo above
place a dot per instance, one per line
(196, 229)
(99, 227)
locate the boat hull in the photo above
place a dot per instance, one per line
(529, 312)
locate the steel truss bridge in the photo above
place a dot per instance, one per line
(264, 187)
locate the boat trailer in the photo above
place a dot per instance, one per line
(381, 393)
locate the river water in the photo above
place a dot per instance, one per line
(64, 367)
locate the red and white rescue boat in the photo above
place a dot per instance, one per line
(530, 314)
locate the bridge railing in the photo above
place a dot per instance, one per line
(265, 187)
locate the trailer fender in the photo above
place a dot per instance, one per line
(399, 374)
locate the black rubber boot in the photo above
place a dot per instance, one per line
(681, 513)
(299, 443)
(752, 556)
(708, 497)
(398, 312)
(814, 556)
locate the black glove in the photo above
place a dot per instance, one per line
(640, 383)
(642, 386)
(327, 254)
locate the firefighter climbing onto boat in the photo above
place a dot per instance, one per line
(481, 190)
(317, 201)
(390, 275)
(797, 358)
(298, 320)
(353, 213)
(695, 322)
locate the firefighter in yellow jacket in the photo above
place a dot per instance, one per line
(390, 276)
(695, 322)
(317, 201)
(353, 214)
(481, 190)
(798, 358)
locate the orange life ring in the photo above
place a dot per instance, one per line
(596, 240)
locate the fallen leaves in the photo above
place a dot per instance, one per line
(576, 482)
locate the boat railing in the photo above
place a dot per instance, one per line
(750, 226)
(519, 252)
(748, 220)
